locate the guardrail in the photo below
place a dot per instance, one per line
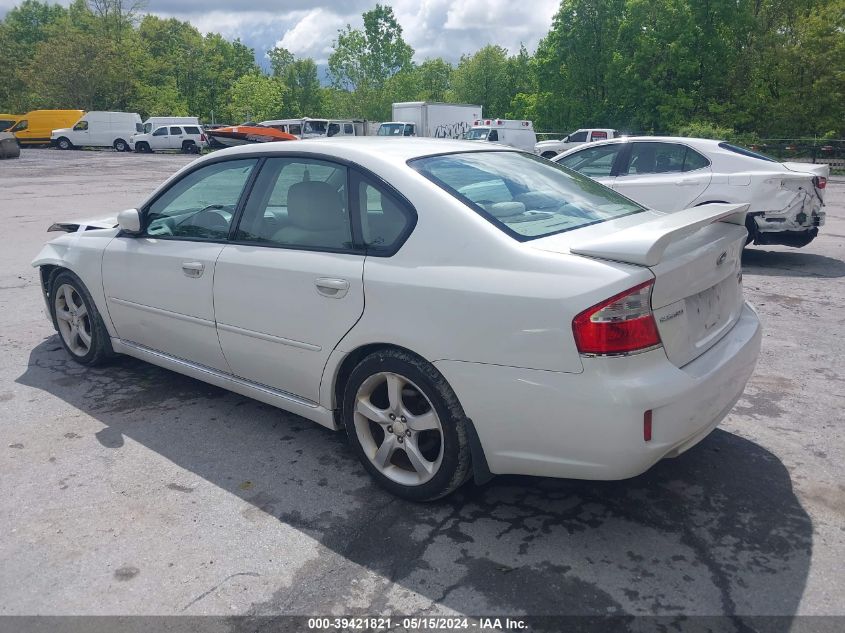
(803, 150)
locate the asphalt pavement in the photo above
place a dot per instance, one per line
(133, 490)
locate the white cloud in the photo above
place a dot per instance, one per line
(313, 33)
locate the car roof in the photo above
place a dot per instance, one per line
(701, 143)
(358, 148)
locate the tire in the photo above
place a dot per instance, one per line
(142, 147)
(434, 431)
(121, 146)
(549, 155)
(189, 147)
(68, 297)
(64, 143)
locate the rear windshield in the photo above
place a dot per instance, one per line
(746, 152)
(525, 196)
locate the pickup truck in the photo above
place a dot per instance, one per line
(551, 148)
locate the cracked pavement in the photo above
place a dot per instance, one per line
(130, 489)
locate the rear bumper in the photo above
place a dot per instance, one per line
(590, 425)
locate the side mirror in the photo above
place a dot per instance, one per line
(129, 221)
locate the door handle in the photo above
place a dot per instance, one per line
(193, 269)
(332, 288)
(686, 181)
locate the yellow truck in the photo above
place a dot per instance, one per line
(8, 120)
(35, 127)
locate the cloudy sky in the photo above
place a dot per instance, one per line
(446, 28)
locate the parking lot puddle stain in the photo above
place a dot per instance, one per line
(179, 488)
(126, 573)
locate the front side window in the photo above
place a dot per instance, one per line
(409, 130)
(385, 220)
(347, 128)
(295, 129)
(162, 131)
(578, 137)
(81, 126)
(200, 205)
(20, 126)
(298, 203)
(595, 162)
(525, 196)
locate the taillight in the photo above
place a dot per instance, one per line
(820, 182)
(202, 138)
(619, 325)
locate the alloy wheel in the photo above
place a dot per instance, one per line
(398, 428)
(73, 320)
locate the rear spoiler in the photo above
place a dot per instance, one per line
(645, 244)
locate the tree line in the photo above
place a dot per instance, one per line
(772, 68)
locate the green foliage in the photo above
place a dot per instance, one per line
(255, 97)
(731, 69)
(299, 77)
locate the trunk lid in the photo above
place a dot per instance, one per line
(695, 256)
(809, 168)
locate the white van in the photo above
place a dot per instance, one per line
(155, 122)
(519, 134)
(99, 129)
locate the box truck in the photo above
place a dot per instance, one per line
(434, 120)
(35, 127)
(99, 129)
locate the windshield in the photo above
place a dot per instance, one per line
(747, 152)
(524, 195)
(477, 134)
(391, 129)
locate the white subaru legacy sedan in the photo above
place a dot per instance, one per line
(458, 310)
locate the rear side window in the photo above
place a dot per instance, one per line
(663, 158)
(746, 152)
(298, 203)
(192, 130)
(385, 219)
(595, 162)
(693, 160)
(524, 195)
(175, 131)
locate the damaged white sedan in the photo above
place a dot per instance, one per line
(671, 173)
(459, 310)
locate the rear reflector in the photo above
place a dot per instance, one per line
(647, 426)
(619, 325)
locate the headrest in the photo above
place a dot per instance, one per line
(315, 206)
(506, 209)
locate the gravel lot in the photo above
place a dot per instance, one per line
(133, 490)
